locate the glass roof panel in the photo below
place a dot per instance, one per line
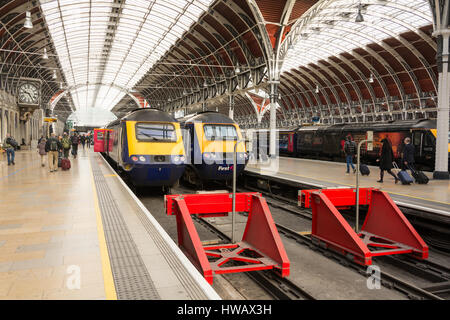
(330, 29)
(103, 45)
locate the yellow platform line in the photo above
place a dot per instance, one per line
(110, 175)
(346, 184)
(110, 289)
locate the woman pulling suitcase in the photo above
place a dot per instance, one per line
(386, 158)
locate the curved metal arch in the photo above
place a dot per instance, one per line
(353, 67)
(344, 72)
(25, 57)
(308, 92)
(294, 106)
(216, 12)
(300, 73)
(392, 52)
(300, 76)
(376, 56)
(321, 8)
(299, 103)
(301, 92)
(327, 82)
(52, 104)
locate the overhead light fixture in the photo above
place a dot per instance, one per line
(359, 16)
(54, 76)
(60, 85)
(45, 55)
(371, 78)
(28, 24)
(237, 70)
(205, 84)
(317, 88)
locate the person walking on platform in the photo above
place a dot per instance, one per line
(10, 145)
(66, 145)
(83, 140)
(88, 141)
(408, 155)
(386, 158)
(53, 146)
(350, 151)
(75, 141)
(41, 150)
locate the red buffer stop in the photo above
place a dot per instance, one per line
(260, 248)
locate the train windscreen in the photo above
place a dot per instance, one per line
(164, 132)
(220, 132)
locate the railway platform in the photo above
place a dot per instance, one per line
(82, 234)
(432, 198)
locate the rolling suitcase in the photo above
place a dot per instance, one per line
(402, 175)
(364, 169)
(419, 176)
(65, 164)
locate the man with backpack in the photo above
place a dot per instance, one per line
(75, 141)
(350, 151)
(65, 141)
(52, 147)
(10, 145)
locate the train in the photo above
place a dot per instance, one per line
(210, 138)
(155, 149)
(326, 141)
(147, 144)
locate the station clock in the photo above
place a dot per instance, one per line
(29, 93)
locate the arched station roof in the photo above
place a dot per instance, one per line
(180, 54)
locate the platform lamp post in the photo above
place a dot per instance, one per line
(234, 189)
(369, 142)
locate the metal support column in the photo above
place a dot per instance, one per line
(273, 118)
(441, 165)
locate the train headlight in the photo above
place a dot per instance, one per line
(209, 155)
(142, 158)
(179, 159)
(134, 158)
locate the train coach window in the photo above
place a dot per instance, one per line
(100, 135)
(155, 132)
(220, 132)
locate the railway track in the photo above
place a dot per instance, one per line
(279, 288)
(436, 276)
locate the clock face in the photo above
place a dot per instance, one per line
(28, 93)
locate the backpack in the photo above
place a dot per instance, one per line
(350, 147)
(66, 143)
(11, 142)
(53, 145)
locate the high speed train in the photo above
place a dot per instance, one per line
(148, 145)
(210, 138)
(327, 141)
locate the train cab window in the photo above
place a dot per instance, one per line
(164, 132)
(428, 140)
(99, 135)
(220, 132)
